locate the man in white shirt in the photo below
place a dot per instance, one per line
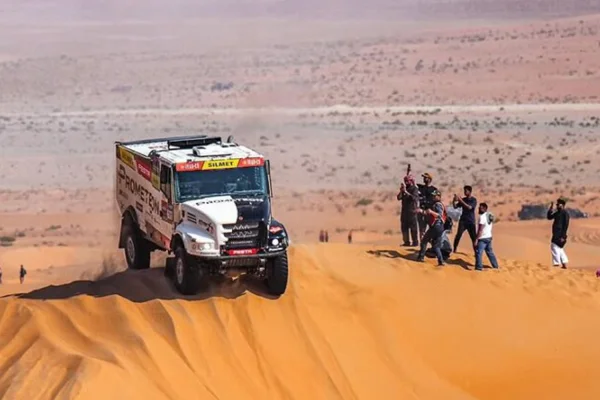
(484, 238)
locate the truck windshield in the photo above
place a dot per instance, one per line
(236, 181)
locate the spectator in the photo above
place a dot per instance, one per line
(350, 236)
(22, 273)
(326, 236)
(321, 236)
(483, 241)
(425, 201)
(560, 227)
(409, 196)
(436, 218)
(0, 275)
(467, 218)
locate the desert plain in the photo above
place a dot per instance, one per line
(341, 97)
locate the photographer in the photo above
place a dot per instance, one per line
(426, 201)
(409, 196)
(436, 218)
(467, 218)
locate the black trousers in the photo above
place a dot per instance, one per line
(409, 228)
(469, 227)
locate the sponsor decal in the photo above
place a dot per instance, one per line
(167, 211)
(142, 194)
(155, 172)
(251, 162)
(220, 164)
(127, 157)
(143, 169)
(189, 166)
(242, 252)
(229, 200)
(208, 226)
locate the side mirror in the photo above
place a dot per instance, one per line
(269, 184)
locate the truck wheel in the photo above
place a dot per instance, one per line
(189, 278)
(277, 277)
(137, 251)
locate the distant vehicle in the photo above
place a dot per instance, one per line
(539, 211)
(205, 201)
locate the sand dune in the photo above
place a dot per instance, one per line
(358, 322)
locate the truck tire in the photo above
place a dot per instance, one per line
(277, 277)
(137, 250)
(189, 278)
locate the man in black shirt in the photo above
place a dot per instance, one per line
(559, 232)
(426, 201)
(467, 218)
(409, 196)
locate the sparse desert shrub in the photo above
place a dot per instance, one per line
(6, 241)
(363, 202)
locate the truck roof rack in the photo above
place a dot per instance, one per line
(189, 142)
(182, 142)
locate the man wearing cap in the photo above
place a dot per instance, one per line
(425, 201)
(409, 196)
(560, 225)
(435, 217)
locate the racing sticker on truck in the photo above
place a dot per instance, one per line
(142, 194)
(220, 164)
(144, 169)
(127, 157)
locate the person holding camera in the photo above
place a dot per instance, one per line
(560, 226)
(436, 218)
(409, 196)
(426, 201)
(468, 204)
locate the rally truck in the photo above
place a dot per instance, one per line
(205, 202)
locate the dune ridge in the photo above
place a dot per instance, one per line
(358, 322)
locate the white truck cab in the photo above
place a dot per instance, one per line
(206, 201)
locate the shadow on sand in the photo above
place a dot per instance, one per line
(147, 285)
(412, 256)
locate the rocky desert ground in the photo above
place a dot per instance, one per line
(499, 95)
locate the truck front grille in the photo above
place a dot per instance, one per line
(245, 235)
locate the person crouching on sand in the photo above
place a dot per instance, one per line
(560, 227)
(436, 218)
(483, 242)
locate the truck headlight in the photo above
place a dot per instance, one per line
(275, 242)
(202, 246)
